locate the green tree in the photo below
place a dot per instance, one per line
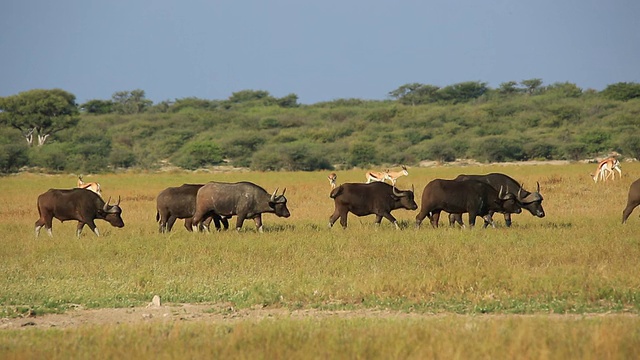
(39, 113)
(508, 88)
(13, 155)
(362, 154)
(289, 101)
(622, 91)
(462, 92)
(130, 102)
(414, 94)
(532, 86)
(259, 96)
(197, 154)
(97, 106)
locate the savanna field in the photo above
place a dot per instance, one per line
(564, 286)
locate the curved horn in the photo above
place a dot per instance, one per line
(118, 203)
(502, 195)
(398, 194)
(283, 191)
(106, 205)
(538, 187)
(273, 196)
(413, 190)
(520, 193)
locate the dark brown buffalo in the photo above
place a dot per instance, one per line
(532, 201)
(180, 203)
(76, 204)
(242, 199)
(632, 201)
(365, 199)
(469, 196)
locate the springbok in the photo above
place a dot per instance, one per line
(332, 180)
(93, 186)
(606, 169)
(394, 175)
(373, 176)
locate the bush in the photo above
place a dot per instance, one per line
(52, 156)
(197, 154)
(498, 149)
(292, 157)
(363, 154)
(12, 157)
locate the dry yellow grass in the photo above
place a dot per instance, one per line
(577, 260)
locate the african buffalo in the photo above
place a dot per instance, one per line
(180, 203)
(632, 201)
(470, 196)
(365, 199)
(244, 199)
(76, 204)
(532, 201)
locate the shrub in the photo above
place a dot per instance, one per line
(197, 154)
(292, 157)
(498, 148)
(362, 154)
(53, 156)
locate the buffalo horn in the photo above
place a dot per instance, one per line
(398, 194)
(538, 191)
(106, 205)
(273, 196)
(118, 203)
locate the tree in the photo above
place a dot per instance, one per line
(532, 86)
(415, 93)
(130, 102)
(39, 113)
(462, 92)
(508, 88)
(97, 106)
(622, 91)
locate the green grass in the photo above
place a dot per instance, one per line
(577, 260)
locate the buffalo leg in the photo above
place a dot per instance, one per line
(225, 222)
(455, 218)
(47, 224)
(435, 218)
(631, 205)
(507, 219)
(258, 221)
(472, 218)
(334, 217)
(188, 224)
(240, 221)
(488, 220)
(169, 224)
(388, 216)
(421, 215)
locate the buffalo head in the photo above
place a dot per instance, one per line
(405, 198)
(279, 204)
(112, 213)
(532, 201)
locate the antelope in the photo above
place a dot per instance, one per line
(332, 180)
(377, 176)
(606, 169)
(93, 186)
(394, 175)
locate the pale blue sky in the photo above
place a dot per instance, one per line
(319, 50)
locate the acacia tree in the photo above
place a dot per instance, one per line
(414, 93)
(39, 113)
(130, 102)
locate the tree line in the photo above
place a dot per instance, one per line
(516, 121)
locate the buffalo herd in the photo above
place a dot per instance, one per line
(199, 204)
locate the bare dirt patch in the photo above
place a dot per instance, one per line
(220, 314)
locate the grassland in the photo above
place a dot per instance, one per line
(562, 286)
